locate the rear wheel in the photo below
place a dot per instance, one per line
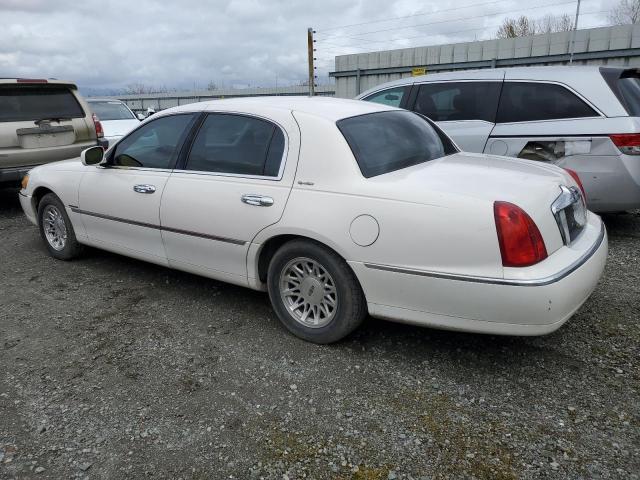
(56, 229)
(314, 292)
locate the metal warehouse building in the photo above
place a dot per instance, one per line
(618, 45)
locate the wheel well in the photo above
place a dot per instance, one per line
(37, 196)
(272, 245)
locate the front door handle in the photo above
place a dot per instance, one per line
(257, 200)
(144, 188)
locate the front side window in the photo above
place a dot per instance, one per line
(386, 141)
(154, 145)
(528, 101)
(392, 97)
(38, 103)
(451, 101)
(237, 144)
(111, 111)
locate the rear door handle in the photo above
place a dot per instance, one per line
(257, 200)
(144, 188)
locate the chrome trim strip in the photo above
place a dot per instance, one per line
(499, 281)
(158, 227)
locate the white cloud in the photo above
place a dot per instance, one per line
(181, 44)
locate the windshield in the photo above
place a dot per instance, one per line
(386, 141)
(111, 110)
(38, 103)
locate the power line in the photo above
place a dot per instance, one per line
(355, 35)
(363, 41)
(412, 15)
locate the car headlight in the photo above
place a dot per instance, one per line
(25, 182)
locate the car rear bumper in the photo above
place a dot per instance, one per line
(474, 304)
(13, 174)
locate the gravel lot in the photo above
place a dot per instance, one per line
(113, 368)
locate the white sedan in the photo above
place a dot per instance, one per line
(338, 209)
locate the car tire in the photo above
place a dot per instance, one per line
(305, 276)
(56, 229)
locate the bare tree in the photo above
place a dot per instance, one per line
(553, 23)
(141, 88)
(212, 85)
(625, 13)
(523, 26)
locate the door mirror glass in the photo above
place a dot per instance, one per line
(92, 156)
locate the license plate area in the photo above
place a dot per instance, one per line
(570, 213)
(50, 136)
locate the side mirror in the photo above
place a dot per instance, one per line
(391, 96)
(92, 156)
(140, 116)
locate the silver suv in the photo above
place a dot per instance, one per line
(41, 121)
(586, 119)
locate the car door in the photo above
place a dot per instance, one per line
(232, 184)
(465, 110)
(120, 201)
(547, 122)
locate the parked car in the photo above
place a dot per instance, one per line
(582, 118)
(117, 119)
(337, 208)
(41, 121)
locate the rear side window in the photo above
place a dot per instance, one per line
(451, 101)
(386, 141)
(526, 102)
(625, 84)
(237, 144)
(111, 111)
(27, 103)
(392, 96)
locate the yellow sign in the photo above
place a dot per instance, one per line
(415, 72)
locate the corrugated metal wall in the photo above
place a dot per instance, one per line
(618, 45)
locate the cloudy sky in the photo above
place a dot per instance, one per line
(189, 43)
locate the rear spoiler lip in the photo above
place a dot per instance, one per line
(49, 81)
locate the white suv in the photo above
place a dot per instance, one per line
(582, 118)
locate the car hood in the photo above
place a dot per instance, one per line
(118, 128)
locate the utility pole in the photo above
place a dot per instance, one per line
(312, 69)
(573, 34)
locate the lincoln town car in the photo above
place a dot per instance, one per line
(338, 209)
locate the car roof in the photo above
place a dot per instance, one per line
(550, 72)
(37, 81)
(98, 99)
(329, 108)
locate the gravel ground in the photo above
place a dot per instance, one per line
(113, 368)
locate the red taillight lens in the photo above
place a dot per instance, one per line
(576, 177)
(98, 125)
(520, 241)
(628, 143)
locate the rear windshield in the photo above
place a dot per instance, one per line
(383, 142)
(26, 103)
(625, 84)
(111, 111)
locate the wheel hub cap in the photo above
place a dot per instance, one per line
(55, 230)
(309, 292)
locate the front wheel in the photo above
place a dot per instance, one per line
(314, 292)
(56, 229)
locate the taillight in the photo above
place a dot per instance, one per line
(576, 177)
(98, 125)
(628, 143)
(520, 241)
